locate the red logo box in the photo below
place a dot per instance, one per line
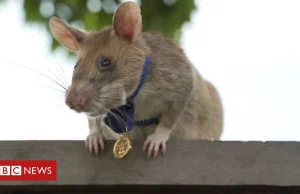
(28, 170)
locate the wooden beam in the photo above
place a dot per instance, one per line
(214, 167)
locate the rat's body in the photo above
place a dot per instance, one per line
(172, 79)
(109, 68)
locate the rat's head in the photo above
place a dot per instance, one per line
(109, 62)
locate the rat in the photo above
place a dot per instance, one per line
(125, 78)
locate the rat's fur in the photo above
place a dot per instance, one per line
(188, 106)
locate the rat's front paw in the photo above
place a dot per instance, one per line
(156, 142)
(94, 141)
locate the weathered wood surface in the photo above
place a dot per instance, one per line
(187, 164)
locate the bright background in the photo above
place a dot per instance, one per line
(250, 50)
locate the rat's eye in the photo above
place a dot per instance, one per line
(105, 63)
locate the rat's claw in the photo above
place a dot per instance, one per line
(96, 145)
(101, 142)
(93, 142)
(156, 149)
(146, 144)
(154, 143)
(150, 149)
(163, 145)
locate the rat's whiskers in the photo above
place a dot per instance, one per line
(62, 73)
(96, 103)
(64, 92)
(59, 84)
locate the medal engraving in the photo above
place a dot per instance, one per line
(122, 147)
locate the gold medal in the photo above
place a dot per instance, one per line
(122, 146)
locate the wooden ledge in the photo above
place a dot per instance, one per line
(187, 165)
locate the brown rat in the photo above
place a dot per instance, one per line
(109, 68)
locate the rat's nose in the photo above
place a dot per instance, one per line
(76, 102)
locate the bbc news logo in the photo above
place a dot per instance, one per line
(22, 170)
(19, 170)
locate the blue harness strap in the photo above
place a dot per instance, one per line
(123, 117)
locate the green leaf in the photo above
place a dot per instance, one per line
(32, 12)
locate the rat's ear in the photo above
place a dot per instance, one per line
(127, 21)
(66, 35)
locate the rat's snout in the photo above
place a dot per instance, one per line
(76, 100)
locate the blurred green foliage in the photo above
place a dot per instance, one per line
(166, 16)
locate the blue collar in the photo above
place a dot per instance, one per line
(125, 113)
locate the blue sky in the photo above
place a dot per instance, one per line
(250, 50)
